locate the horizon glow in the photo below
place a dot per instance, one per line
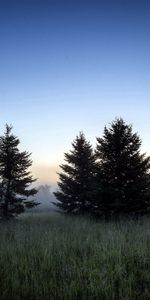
(70, 66)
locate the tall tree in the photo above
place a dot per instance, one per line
(15, 177)
(76, 185)
(123, 172)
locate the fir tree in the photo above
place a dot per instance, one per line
(14, 177)
(123, 172)
(76, 185)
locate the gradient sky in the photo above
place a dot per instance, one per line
(67, 66)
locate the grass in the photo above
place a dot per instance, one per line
(64, 258)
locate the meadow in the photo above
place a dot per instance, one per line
(68, 258)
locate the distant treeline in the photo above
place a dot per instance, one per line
(111, 180)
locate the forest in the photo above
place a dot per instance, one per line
(110, 181)
(95, 245)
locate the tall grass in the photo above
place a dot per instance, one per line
(55, 257)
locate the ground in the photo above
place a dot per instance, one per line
(68, 258)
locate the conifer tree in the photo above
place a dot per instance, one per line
(15, 177)
(76, 181)
(123, 172)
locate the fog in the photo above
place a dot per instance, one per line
(46, 198)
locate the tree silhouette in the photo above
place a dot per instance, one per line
(14, 177)
(76, 185)
(123, 172)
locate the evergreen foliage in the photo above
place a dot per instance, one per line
(123, 178)
(14, 177)
(76, 185)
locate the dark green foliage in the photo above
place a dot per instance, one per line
(123, 177)
(77, 179)
(14, 177)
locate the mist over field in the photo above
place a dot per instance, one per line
(74, 139)
(46, 198)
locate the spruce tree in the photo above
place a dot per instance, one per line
(15, 177)
(76, 181)
(123, 178)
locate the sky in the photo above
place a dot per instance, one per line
(70, 66)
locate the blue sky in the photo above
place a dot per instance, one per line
(67, 66)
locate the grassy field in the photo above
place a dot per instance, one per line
(55, 257)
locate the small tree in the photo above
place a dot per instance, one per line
(77, 179)
(123, 172)
(14, 177)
